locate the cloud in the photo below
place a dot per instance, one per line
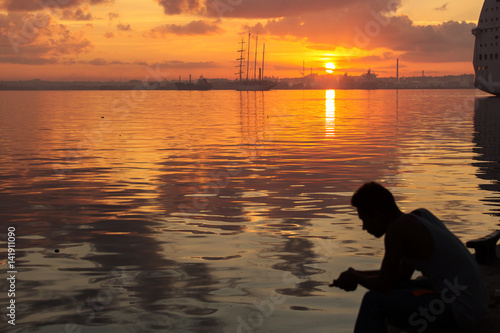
(35, 38)
(266, 8)
(358, 27)
(26, 61)
(287, 8)
(103, 62)
(109, 35)
(442, 8)
(79, 14)
(377, 58)
(36, 5)
(173, 64)
(172, 7)
(199, 27)
(177, 64)
(447, 42)
(124, 27)
(328, 24)
(113, 16)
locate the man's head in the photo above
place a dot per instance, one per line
(376, 207)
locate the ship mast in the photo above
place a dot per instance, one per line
(241, 58)
(255, 66)
(248, 60)
(263, 56)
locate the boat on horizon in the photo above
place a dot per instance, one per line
(256, 84)
(251, 85)
(201, 84)
(486, 48)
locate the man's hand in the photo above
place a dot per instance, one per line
(346, 280)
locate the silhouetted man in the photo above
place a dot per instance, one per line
(452, 293)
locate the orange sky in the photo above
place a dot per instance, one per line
(130, 39)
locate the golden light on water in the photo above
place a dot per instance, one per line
(330, 113)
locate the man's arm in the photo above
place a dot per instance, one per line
(387, 276)
(405, 272)
(393, 267)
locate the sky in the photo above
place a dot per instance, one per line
(92, 40)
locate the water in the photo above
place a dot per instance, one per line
(220, 211)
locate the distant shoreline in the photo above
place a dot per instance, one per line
(309, 82)
(229, 89)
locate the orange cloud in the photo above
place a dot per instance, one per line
(36, 5)
(199, 27)
(37, 38)
(176, 64)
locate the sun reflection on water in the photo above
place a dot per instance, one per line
(330, 114)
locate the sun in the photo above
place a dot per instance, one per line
(330, 66)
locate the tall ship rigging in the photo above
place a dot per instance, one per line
(249, 84)
(486, 48)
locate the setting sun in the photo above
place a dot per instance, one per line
(330, 67)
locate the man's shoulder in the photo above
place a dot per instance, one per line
(407, 219)
(411, 236)
(405, 225)
(422, 212)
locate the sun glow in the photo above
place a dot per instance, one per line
(330, 66)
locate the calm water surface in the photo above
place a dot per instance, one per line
(223, 211)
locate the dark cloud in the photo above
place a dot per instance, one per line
(442, 8)
(266, 8)
(124, 27)
(357, 27)
(113, 16)
(199, 27)
(103, 62)
(36, 5)
(376, 58)
(446, 42)
(172, 7)
(328, 24)
(79, 14)
(109, 35)
(177, 64)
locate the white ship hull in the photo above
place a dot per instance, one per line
(487, 48)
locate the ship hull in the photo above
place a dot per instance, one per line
(486, 59)
(255, 86)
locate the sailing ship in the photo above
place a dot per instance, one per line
(254, 84)
(201, 84)
(486, 48)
